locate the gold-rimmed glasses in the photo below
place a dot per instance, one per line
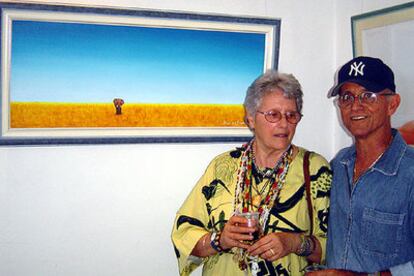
(274, 116)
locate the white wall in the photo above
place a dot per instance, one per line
(94, 210)
(109, 209)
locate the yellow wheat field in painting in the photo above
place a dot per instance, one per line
(57, 115)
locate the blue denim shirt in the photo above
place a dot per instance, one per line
(371, 223)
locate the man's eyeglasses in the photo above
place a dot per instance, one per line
(366, 98)
(274, 116)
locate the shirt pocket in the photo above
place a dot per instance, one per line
(381, 233)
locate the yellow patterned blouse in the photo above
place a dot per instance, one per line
(210, 205)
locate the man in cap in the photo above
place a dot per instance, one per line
(371, 220)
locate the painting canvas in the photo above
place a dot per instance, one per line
(389, 35)
(93, 75)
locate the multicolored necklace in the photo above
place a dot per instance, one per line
(244, 200)
(263, 173)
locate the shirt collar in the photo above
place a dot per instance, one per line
(389, 162)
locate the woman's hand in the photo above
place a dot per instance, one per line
(235, 232)
(275, 246)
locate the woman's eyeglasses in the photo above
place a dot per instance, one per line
(274, 116)
(366, 98)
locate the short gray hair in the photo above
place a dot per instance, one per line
(269, 82)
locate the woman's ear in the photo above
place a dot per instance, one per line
(249, 121)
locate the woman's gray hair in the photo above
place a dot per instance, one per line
(269, 82)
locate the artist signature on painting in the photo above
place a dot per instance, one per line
(233, 123)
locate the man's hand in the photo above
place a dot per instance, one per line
(332, 272)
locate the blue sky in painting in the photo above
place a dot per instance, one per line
(61, 62)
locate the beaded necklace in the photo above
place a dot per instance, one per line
(244, 201)
(263, 173)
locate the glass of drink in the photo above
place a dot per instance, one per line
(252, 221)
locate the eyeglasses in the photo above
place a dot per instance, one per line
(274, 116)
(366, 98)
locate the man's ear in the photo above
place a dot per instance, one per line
(393, 104)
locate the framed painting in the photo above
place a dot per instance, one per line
(86, 75)
(389, 34)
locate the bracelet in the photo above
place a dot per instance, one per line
(306, 247)
(314, 242)
(215, 241)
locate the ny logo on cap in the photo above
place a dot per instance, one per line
(357, 69)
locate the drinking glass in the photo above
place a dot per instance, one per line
(252, 220)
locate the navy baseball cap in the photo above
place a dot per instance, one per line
(369, 72)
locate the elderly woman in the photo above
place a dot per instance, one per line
(265, 176)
